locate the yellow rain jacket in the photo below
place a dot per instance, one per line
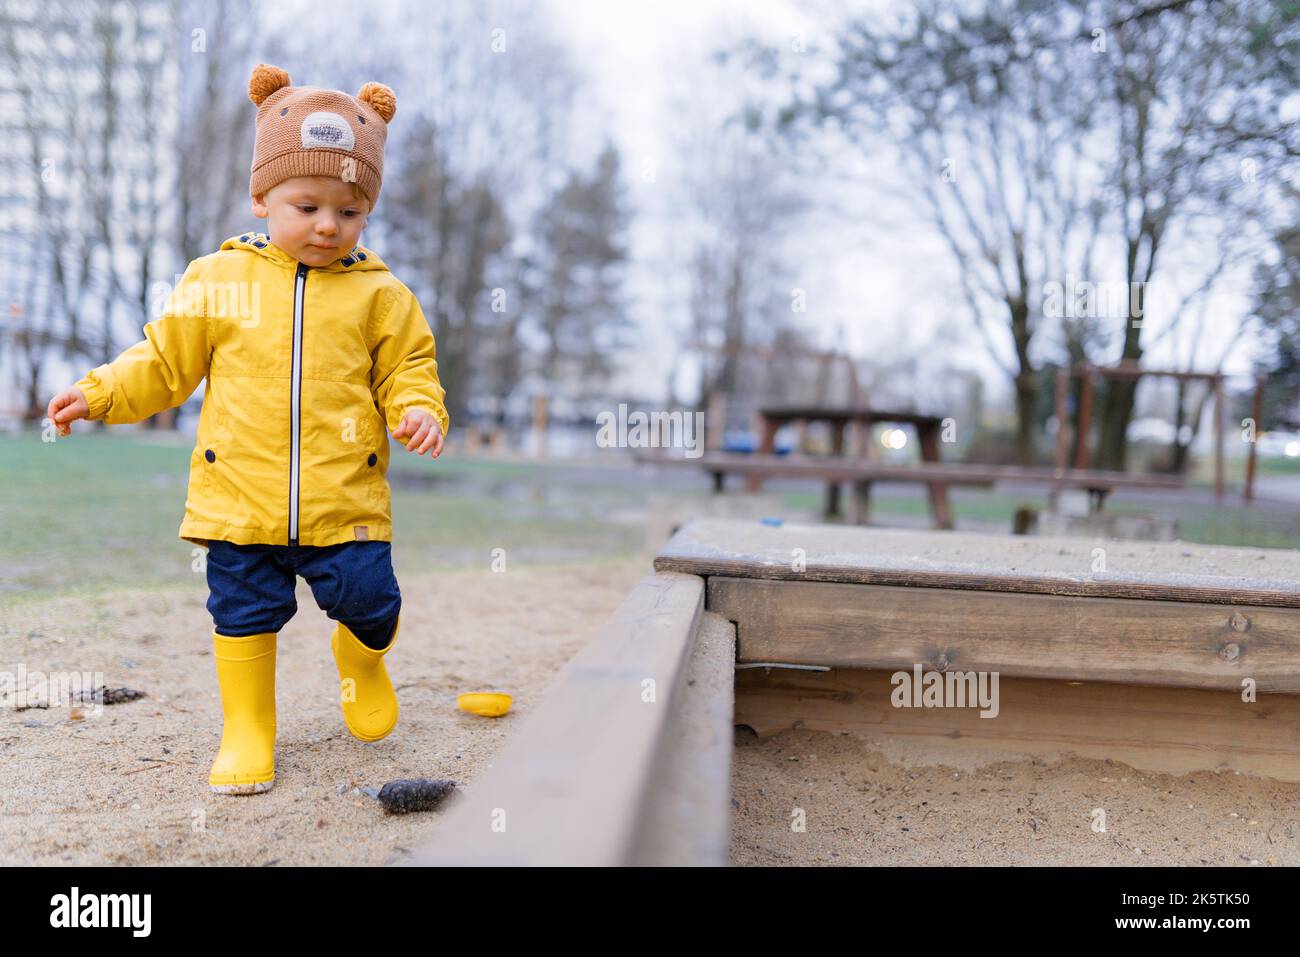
(305, 368)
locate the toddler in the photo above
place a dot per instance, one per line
(311, 349)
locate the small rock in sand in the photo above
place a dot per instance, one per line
(418, 794)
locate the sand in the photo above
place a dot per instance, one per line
(129, 785)
(878, 801)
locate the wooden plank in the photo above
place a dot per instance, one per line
(830, 414)
(1175, 730)
(1256, 417)
(1085, 420)
(687, 817)
(1218, 440)
(766, 446)
(1162, 571)
(1062, 427)
(939, 505)
(1133, 369)
(844, 469)
(1179, 644)
(569, 785)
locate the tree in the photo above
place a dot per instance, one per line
(733, 205)
(487, 99)
(577, 296)
(447, 233)
(92, 133)
(215, 123)
(1060, 138)
(1277, 303)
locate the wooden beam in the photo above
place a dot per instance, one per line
(1218, 440)
(686, 818)
(816, 413)
(1049, 565)
(572, 780)
(540, 425)
(1174, 730)
(1177, 644)
(940, 508)
(1084, 418)
(826, 468)
(861, 511)
(1256, 413)
(716, 423)
(766, 447)
(1062, 460)
(1131, 369)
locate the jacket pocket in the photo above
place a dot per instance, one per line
(206, 454)
(209, 455)
(372, 434)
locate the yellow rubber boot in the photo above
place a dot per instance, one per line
(369, 701)
(245, 763)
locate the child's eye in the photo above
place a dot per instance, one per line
(349, 213)
(308, 209)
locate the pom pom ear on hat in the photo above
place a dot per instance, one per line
(266, 79)
(381, 99)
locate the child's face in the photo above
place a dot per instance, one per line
(315, 219)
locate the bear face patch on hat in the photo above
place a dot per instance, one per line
(309, 131)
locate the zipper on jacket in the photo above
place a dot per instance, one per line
(295, 400)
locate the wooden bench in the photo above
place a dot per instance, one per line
(937, 477)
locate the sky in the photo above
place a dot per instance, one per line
(865, 293)
(878, 282)
(871, 271)
(634, 55)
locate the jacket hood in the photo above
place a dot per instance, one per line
(358, 259)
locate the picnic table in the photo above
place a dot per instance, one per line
(927, 427)
(861, 473)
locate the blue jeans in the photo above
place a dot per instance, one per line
(251, 587)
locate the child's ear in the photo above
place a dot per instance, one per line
(259, 206)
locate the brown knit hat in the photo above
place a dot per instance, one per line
(308, 131)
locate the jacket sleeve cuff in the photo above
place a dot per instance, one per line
(439, 413)
(99, 395)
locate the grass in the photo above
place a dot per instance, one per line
(95, 511)
(1259, 526)
(1278, 466)
(102, 510)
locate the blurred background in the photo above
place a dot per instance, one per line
(962, 212)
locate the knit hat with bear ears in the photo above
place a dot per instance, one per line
(308, 131)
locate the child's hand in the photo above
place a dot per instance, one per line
(65, 407)
(424, 430)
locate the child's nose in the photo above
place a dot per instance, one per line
(326, 227)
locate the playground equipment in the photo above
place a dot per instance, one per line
(1169, 657)
(1129, 369)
